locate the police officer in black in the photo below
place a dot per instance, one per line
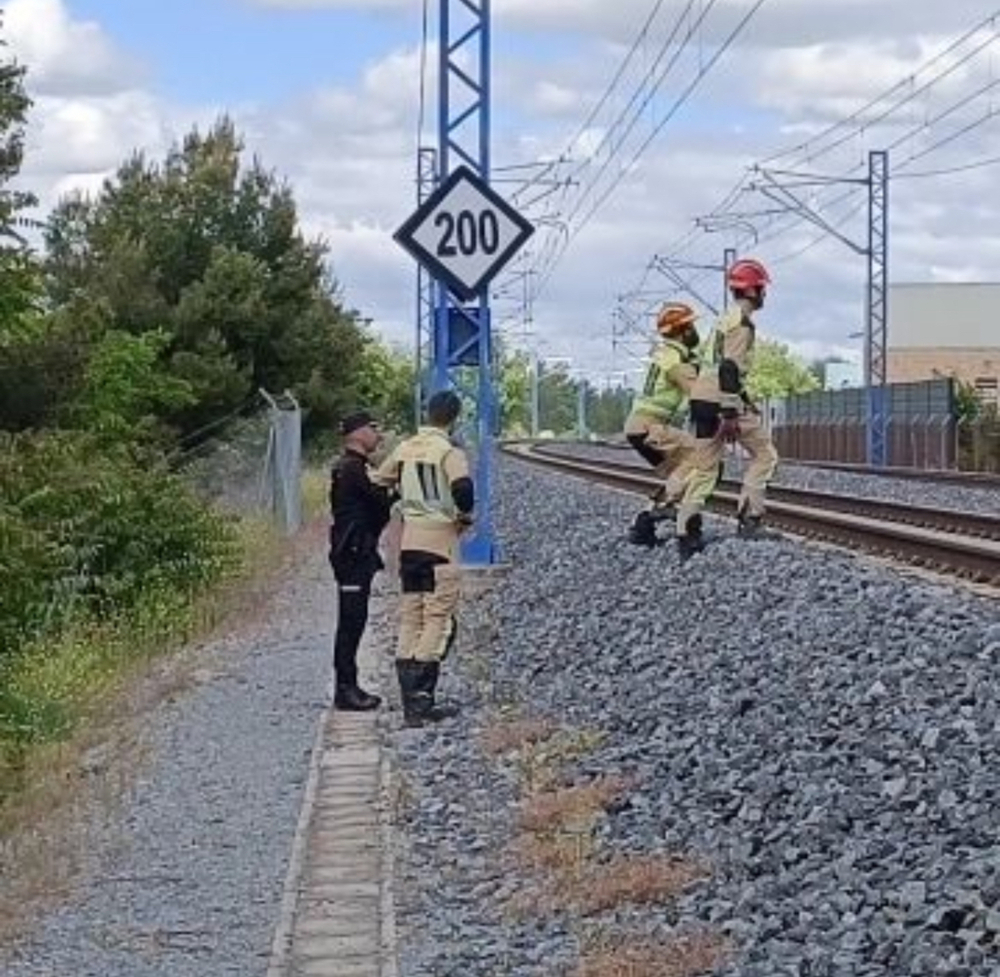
(360, 512)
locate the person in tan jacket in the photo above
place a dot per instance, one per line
(723, 414)
(436, 499)
(654, 425)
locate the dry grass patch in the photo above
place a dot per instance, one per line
(570, 807)
(693, 955)
(570, 881)
(561, 854)
(515, 734)
(635, 879)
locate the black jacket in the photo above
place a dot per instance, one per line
(360, 511)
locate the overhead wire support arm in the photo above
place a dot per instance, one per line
(783, 195)
(670, 270)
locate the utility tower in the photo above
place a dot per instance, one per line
(462, 344)
(781, 186)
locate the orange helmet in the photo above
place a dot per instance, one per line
(747, 273)
(674, 318)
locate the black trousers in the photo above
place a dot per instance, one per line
(354, 589)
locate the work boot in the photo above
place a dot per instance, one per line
(691, 541)
(417, 683)
(747, 526)
(351, 698)
(643, 530)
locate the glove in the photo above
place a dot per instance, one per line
(729, 427)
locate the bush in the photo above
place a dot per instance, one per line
(86, 531)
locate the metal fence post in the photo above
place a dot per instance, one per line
(282, 474)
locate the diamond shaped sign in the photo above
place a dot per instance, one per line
(464, 233)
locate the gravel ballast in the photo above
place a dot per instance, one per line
(820, 730)
(983, 499)
(185, 878)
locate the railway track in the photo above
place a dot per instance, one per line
(958, 543)
(968, 479)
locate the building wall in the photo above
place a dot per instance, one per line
(945, 329)
(932, 315)
(977, 366)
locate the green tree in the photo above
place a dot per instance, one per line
(513, 371)
(19, 273)
(123, 387)
(776, 372)
(385, 384)
(607, 410)
(209, 253)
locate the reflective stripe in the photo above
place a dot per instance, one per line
(661, 397)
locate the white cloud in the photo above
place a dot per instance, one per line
(348, 153)
(778, 23)
(66, 56)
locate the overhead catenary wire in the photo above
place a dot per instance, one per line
(893, 100)
(865, 123)
(574, 222)
(859, 116)
(678, 103)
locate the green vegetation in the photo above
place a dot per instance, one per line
(156, 308)
(776, 372)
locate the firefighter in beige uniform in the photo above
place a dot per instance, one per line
(653, 426)
(722, 413)
(436, 494)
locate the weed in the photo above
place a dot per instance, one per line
(571, 808)
(689, 955)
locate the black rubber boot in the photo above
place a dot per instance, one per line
(351, 698)
(417, 684)
(643, 530)
(692, 541)
(747, 526)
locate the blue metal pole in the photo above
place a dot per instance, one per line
(464, 131)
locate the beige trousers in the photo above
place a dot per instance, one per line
(427, 620)
(675, 445)
(705, 471)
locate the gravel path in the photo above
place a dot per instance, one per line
(970, 498)
(186, 881)
(819, 730)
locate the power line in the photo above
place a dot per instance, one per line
(800, 150)
(554, 253)
(678, 103)
(948, 170)
(606, 94)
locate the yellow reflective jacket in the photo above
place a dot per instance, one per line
(671, 375)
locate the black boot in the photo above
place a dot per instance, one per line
(691, 541)
(351, 698)
(429, 674)
(643, 530)
(417, 684)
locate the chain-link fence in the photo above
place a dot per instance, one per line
(253, 465)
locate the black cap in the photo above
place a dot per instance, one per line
(358, 419)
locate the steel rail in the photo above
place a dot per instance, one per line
(943, 520)
(957, 553)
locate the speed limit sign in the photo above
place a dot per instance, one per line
(464, 233)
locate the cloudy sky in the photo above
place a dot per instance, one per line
(327, 92)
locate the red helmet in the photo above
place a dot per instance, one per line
(747, 273)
